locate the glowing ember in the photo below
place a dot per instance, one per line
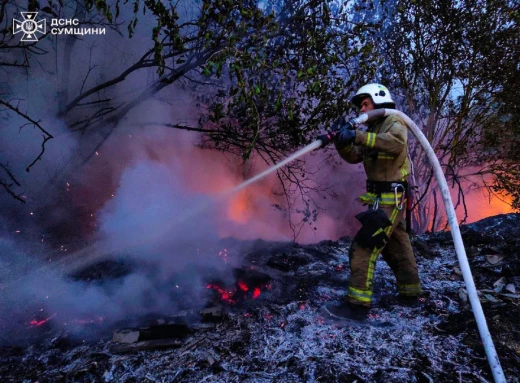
(223, 255)
(34, 322)
(224, 294)
(242, 286)
(239, 292)
(38, 323)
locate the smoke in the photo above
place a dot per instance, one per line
(249, 214)
(162, 236)
(149, 199)
(79, 306)
(162, 217)
(81, 64)
(152, 217)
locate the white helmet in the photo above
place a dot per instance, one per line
(378, 93)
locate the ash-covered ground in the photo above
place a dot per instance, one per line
(267, 325)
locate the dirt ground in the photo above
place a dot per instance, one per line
(273, 329)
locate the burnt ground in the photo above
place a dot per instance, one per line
(269, 327)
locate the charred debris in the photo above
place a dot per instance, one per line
(265, 324)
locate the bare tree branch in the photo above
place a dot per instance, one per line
(8, 186)
(46, 137)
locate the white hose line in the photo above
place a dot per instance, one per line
(494, 362)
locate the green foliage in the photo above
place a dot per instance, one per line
(279, 71)
(284, 70)
(288, 76)
(287, 68)
(102, 7)
(455, 66)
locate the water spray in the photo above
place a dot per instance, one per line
(103, 249)
(314, 145)
(485, 335)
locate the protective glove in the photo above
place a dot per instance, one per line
(337, 127)
(325, 139)
(338, 123)
(342, 122)
(351, 124)
(345, 136)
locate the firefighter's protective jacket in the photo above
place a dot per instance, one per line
(383, 149)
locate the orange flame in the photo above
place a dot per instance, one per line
(482, 206)
(239, 209)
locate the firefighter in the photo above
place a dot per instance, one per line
(383, 151)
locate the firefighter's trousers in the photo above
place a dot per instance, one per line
(397, 253)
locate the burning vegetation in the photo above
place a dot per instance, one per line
(122, 280)
(254, 316)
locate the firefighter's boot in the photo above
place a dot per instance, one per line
(388, 301)
(409, 300)
(347, 311)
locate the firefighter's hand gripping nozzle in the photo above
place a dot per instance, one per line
(341, 125)
(326, 139)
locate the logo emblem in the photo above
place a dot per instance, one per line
(29, 26)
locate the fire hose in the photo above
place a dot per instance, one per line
(485, 335)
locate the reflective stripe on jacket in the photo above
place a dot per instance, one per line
(383, 149)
